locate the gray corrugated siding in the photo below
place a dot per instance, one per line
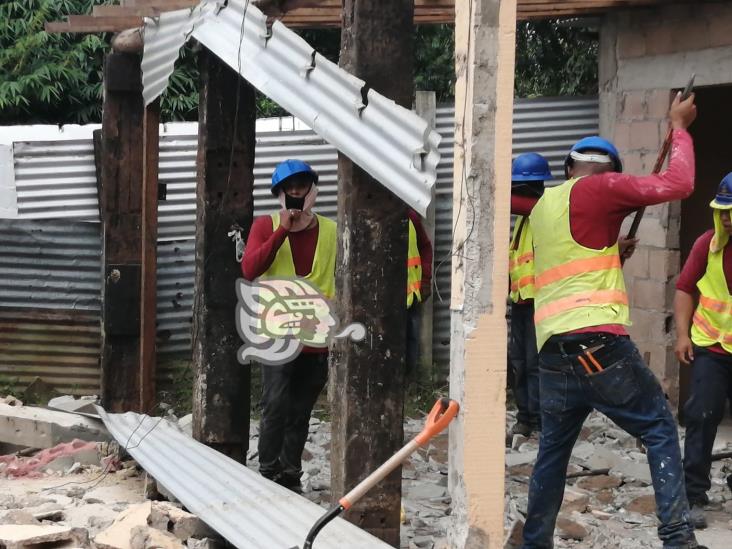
(549, 126)
(57, 180)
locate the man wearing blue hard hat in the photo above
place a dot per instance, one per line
(528, 173)
(294, 242)
(586, 359)
(704, 340)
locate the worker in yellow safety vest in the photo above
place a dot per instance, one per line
(528, 173)
(294, 242)
(419, 286)
(586, 359)
(704, 340)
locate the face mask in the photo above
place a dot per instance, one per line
(294, 203)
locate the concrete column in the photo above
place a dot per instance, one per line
(484, 57)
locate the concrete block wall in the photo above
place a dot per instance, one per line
(644, 54)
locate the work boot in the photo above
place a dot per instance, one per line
(697, 516)
(291, 482)
(519, 428)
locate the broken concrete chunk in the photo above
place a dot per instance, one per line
(23, 535)
(599, 482)
(569, 529)
(10, 400)
(633, 470)
(144, 537)
(82, 405)
(167, 517)
(515, 537)
(575, 500)
(645, 505)
(18, 516)
(118, 535)
(41, 428)
(524, 458)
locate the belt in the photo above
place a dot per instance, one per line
(574, 344)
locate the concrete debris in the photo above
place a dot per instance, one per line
(18, 516)
(607, 511)
(10, 400)
(119, 534)
(145, 537)
(183, 525)
(26, 535)
(83, 405)
(40, 428)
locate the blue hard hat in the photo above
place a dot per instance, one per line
(288, 168)
(723, 199)
(530, 167)
(595, 143)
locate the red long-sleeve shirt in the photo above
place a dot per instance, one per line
(598, 204)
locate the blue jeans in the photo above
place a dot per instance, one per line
(525, 364)
(628, 393)
(711, 384)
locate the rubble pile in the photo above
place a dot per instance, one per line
(609, 503)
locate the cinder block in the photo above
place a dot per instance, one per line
(640, 329)
(631, 44)
(658, 103)
(659, 40)
(650, 295)
(692, 34)
(637, 265)
(663, 264)
(645, 135)
(658, 359)
(652, 233)
(633, 105)
(632, 162)
(621, 136)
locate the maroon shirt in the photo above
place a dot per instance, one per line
(696, 266)
(598, 204)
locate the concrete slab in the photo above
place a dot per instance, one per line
(24, 535)
(33, 427)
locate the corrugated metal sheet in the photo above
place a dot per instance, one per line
(562, 122)
(242, 506)
(390, 142)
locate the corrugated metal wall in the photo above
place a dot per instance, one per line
(56, 181)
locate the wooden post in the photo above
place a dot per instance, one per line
(484, 55)
(223, 198)
(120, 169)
(367, 379)
(426, 106)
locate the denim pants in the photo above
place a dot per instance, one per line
(412, 350)
(628, 393)
(525, 364)
(289, 392)
(710, 386)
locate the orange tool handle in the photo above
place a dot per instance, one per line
(442, 413)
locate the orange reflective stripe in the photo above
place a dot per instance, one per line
(576, 267)
(581, 299)
(715, 305)
(525, 258)
(414, 262)
(414, 287)
(709, 330)
(524, 281)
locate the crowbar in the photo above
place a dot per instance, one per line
(661, 158)
(440, 416)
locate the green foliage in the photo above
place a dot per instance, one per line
(554, 59)
(48, 77)
(57, 78)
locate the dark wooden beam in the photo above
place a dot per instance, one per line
(368, 378)
(149, 237)
(223, 199)
(120, 166)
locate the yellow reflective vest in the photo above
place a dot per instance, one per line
(521, 261)
(322, 274)
(414, 268)
(575, 287)
(712, 322)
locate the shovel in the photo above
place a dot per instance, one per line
(439, 417)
